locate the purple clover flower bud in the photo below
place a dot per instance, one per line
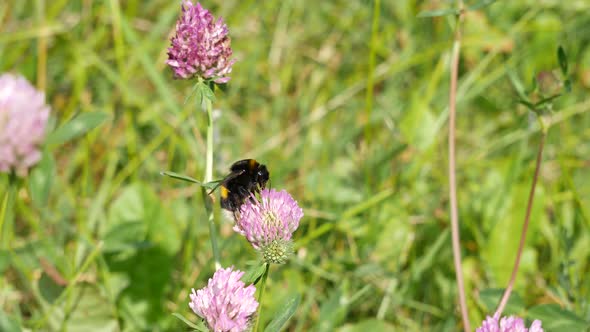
(225, 304)
(269, 222)
(508, 324)
(23, 118)
(201, 46)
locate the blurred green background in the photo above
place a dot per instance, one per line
(111, 245)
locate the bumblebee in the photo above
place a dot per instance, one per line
(246, 177)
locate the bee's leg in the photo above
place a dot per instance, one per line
(244, 193)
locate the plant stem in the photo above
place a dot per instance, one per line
(209, 178)
(262, 286)
(452, 166)
(209, 165)
(6, 212)
(525, 226)
(366, 120)
(3, 213)
(371, 72)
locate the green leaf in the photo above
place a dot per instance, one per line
(4, 257)
(129, 206)
(534, 84)
(491, 297)
(7, 323)
(202, 90)
(180, 177)
(209, 185)
(138, 215)
(192, 93)
(546, 100)
(438, 12)
(517, 84)
(48, 288)
(562, 60)
(199, 326)
(481, 4)
(41, 179)
(419, 123)
(567, 85)
(137, 220)
(125, 236)
(76, 127)
(253, 274)
(288, 309)
(207, 92)
(333, 310)
(555, 318)
(90, 310)
(527, 104)
(421, 265)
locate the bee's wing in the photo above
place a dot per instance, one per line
(228, 178)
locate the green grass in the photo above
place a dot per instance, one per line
(368, 165)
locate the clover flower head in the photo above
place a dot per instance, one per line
(268, 223)
(508, 324)
(201, 46)
(225, 303)
(23, 120)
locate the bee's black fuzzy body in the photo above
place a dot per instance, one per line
(246, 177)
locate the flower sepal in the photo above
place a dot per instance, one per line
(277, 251)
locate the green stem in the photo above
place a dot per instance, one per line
(260, 294)
(6, 211)
(374, 43)
(209, 165)
(371, 72)
(209, 178)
